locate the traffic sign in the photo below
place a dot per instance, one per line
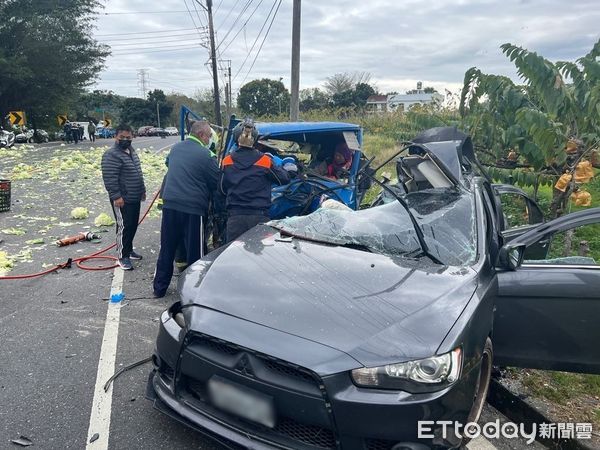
(62, 119)
(107, 122)
(17, 118)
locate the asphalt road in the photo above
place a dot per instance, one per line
(52, 328)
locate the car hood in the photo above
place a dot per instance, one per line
(375, 308)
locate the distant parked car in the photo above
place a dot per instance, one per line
(143, 131)
(105, 132)
(172, 131)
(156, 131)
(27, 136)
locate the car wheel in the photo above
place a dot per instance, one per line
(483, 382)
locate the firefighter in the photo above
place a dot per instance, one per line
(247, 176)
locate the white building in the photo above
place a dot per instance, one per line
(404, 102)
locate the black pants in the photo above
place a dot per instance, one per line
(93, 137)
(127, 219)
(177, 227)
(238, 224)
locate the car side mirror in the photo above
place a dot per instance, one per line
(510, 257)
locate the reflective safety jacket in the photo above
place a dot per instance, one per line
(247, 176)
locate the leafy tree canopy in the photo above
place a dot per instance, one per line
(313, 99)
(543, 128)
(263, 97)
(46, 59)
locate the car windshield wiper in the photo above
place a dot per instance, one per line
(415, 224)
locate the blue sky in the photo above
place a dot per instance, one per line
(398, 42)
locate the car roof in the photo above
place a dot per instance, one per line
(274, 129)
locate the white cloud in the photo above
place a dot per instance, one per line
(398, 42)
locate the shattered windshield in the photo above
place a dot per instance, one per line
(446, 218)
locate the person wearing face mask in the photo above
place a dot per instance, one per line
(188, 186)
(124, 181)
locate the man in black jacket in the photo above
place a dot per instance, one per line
(246, 181)
(124, 181)
(191, 179)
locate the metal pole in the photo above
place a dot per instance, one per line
(295, 86)
(213, 57)
(230, 89)
(227, 99)
(158, 114)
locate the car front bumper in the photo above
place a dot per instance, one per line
(313, 412)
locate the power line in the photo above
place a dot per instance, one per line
(246, 6)
(192, 17)
(145, 32)
(139, 12)
(143, 38)
(158, 51)
(198, 13)
(262, 43)
(255, 40)
(182, 42)
(158, 47)
(228, 14)
(242, 27)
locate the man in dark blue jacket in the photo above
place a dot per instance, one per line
(191, 179)
(124, 181)
(246, 180)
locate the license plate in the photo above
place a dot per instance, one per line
(242, 401)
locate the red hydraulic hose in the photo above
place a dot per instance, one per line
(79, 261)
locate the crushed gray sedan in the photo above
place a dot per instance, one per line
(344, 329)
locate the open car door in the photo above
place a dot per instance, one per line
(548, 310)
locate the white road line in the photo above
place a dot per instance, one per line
(101, 407)
(166, 146)
(481, 443)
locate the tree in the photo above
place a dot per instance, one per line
(137, 112)
(263, 97)
(341, 82)
(539, 130)
(46, 59)
(206, 104)
(362, 91)
(98, 104)
(313, 99)
(165, 107)
(355, 97)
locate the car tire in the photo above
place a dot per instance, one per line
(483, 382)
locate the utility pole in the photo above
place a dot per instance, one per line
(295, 87)
(227, 73)
(213, 57)
(230, 89)
(158, 114)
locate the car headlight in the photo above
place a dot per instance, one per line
(422, 375)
